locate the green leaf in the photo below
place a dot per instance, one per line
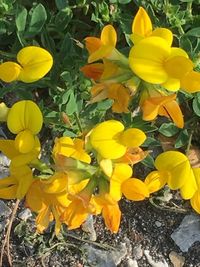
(21, 16)
(182, 139)
(168, 129)
(150, 141)
(71, 106)
(148, 162)
(104, 105)
(61, 4)
(38, 19)
(124, 2)
(196, 104)
(194, 32)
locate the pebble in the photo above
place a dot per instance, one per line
(153, 263)
(176, 259)
(158, 224)
(131, 263)
(5, 211)
(187, 233)
(88, 227)
(138, 252)
(25, 214)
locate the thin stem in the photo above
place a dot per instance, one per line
(189, 143)
(78, 122)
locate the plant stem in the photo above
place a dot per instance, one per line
(78, 122)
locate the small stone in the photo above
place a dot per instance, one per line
(5, 211)
(132, 263)
(176, 259)
(25, 214)
(153, 263)
(138, 252)
(88, 227)
(158, 224)
(102, 258)
(187, 233)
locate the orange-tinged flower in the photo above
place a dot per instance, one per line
(103, 47)
(110, 211)
(49, 199)
(93, 71)
(133, 156)
(163, 105)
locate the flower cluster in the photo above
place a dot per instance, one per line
(154, 69)
(92, 172)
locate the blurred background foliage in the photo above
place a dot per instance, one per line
(60, 26)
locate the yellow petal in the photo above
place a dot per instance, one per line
(121, 173)
(8, 192)
(43, 219)
(104, 139)
(189, 188)
(103, 52)
(109, 36)
(195, 201)
(24, 115)
(112, 217)
(132, 137)
(134, 189)
(7, 147)
(9, 71)
(107, 166)
(57, 185)
(34, 197)
(24, 141)
(155, 181)
(36, 62)
(163, 33)
(149, 110)
(178, 66)
(191, 82)
(176, 165)
(3, 112)
(196, 172)
(172, 84)
(175, 113)
(142, 26)
(149, 66)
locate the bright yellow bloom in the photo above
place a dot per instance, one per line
(18, 182)
(121, 183)
(155, 103)
(24, 119)
(154, 61)
(142, 28)
(155, 181)
(111, 141)
(176, 169)
(103, 47)
(67, 147)
(34, 63)
(49, 199)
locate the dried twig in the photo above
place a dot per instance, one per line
(6, 242)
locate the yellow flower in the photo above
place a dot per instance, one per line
(121, 183)
(142, 28)
(103, 47)
(67, 147)
(80, 207)
(176, 169)
(111, 141)
(34, 64)
(155, 103)
(154, 61)
(25, 119)
(155, 181)
(49, 199)
(20, 178)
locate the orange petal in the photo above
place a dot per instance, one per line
(175, 113)
(93, 71)
(92, 44)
